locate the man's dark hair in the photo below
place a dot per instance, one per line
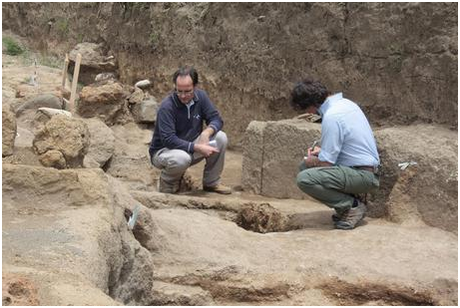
(186, 71)
(308, 93)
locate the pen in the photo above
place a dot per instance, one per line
(314, 144)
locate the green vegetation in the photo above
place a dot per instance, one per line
(50, 61)
(153, 39)
(12, 47)
(80, 38)
(62, 26)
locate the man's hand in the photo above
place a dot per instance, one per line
(312, 159)
(313, 152)
(205, 149)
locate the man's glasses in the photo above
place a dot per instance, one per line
(183, 93)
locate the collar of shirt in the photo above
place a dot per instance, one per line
(328, 102)
(190, 104)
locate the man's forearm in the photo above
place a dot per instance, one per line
(209, 131)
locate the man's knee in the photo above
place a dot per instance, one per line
(221, 139)
(180, 161)
(305, 180)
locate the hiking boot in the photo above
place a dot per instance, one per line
(337, 216)
(166, 187)
(352, 217)
(219, 188)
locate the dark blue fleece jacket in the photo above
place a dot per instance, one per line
(176, 127)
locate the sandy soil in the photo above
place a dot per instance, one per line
(52, 248)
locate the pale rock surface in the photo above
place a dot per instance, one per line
(44, 114)
(142, 84)
(131, 160)
(427, 191)
(146, 111)
(9, 129)
(102, 142)
(272, 155)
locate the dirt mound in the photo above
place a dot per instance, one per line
(261, 218)
(18, 291)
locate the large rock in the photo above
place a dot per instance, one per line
(427, 191)
(9, 129)
(42, 100)
(102, 142)
(93, 62)
(107, 102)
(145, 111)
(69, 136)
(273, 155)
(136, 96)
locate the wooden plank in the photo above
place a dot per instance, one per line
(74, 83)
(64, 71)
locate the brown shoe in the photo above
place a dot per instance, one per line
(166, 187)
(219, 188)
(352, 217)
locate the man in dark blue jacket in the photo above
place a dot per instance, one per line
(179, 140)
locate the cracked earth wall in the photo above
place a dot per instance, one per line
(397, 60)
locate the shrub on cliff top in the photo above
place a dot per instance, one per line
(12, 47)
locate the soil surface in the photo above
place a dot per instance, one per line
(65, 240)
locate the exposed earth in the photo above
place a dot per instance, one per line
(65, 239)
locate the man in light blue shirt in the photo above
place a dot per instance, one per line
(346, 163)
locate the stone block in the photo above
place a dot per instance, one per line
(285, 144)
(253, 144)
(272, 154)
(427, 191)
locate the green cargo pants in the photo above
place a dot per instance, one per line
(335, 185)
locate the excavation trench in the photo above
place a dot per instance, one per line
(231, 286)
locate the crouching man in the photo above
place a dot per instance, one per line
(179, 140)
(346, 163)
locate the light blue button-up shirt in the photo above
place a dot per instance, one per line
(346, 136)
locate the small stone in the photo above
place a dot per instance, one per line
(143, 84)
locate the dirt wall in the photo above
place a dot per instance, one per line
(397, 60)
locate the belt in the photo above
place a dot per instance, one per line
(367, 168)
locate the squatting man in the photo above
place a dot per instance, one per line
(179, 140)
(346, 163)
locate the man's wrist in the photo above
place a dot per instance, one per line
(209, 131)
(312, 161)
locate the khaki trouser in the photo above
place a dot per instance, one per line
(174, 163)
(335, 185)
